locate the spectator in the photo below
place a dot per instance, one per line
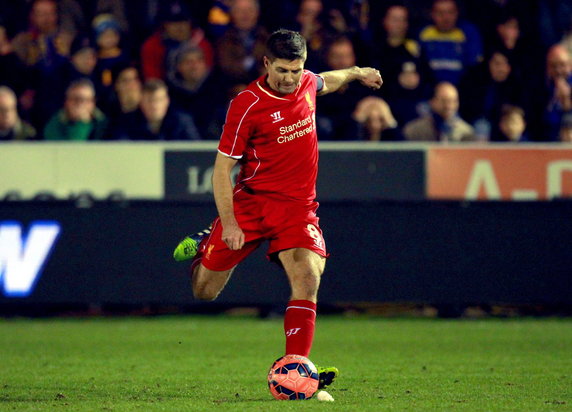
(11, 126)
(449, 46)
(241, 47)
(110, 54)
(83, 59)
(565, 135)
(559, 89)
(443, 123)
(44, 40)
(375, 120)
(80, 119)
(508, 39)
(312, 22)
(199, 90)
(485, 89)
(43, 49)
(334, 113)
(155, 119)
(12, 71)
(159, 51)
(71, 16)
(407, 78)
(512, 125)
(126, 95)
(128, 88)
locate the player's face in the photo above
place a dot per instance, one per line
(284, 75)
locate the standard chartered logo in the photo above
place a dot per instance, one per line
(295, 130)
(23, 256)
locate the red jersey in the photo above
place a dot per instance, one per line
(274, 137)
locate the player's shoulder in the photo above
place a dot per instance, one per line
(245, 98)
(310, 79)
(309, 75)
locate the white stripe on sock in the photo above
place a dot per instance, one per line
(300, 307)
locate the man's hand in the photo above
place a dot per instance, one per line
(370, 77)
(233, 236)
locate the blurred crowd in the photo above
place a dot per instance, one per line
(459, 71)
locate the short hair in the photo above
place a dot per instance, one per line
(153, 85)
(509, 110)
(339, 39)
(83, 82)
(185, 51)
(435, 2)
(286, 44)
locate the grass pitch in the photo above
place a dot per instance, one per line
(202, 363)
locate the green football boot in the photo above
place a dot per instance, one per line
(189, 246)
(327, 376)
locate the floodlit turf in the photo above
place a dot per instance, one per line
(220, 363)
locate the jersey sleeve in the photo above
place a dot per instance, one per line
(319, 82)
(238, 125)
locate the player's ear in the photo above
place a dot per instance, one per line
(266, 61)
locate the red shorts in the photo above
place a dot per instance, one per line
(285, 224)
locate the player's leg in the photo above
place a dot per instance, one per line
(303, 268)
(213, 262)
(207, 284)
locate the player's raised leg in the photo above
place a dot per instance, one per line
(207, 284)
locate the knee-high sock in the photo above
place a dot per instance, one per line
(299, 325)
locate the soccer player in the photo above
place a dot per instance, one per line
(270, 130)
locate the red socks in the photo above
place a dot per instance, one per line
(299, 324)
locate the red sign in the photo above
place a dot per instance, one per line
(499, 173)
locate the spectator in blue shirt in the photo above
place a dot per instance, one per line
(449, 46)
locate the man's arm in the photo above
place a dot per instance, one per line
(232, 235)
(335, 79)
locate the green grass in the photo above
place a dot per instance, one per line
(219, 363)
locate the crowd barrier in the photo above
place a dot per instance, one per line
(348, 171)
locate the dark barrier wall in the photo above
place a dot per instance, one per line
(343, 174)
(426, 252)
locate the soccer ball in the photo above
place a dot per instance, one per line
(293, 377)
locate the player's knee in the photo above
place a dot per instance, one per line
(204, 292)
